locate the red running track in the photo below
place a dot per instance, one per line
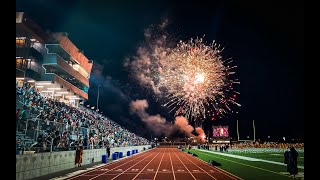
(158, 163)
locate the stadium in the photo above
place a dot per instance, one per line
(180, 119)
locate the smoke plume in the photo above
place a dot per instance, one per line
(201, 134)
(158, 124)
(182, 124)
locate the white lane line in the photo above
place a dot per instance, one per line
(104, 165)
(159, 164)
(198, 166)
(184, 166)
(117, 167)
(145, 166)
(131, 167)
(174, 177)
(218, 169)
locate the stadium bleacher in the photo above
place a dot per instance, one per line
(44, 124)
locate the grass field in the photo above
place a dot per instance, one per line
(252, 169)
(278, 157)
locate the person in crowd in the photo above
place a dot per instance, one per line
(23, 113)
(17, 115)
(17, 118)
(18, 146)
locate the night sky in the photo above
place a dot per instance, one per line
(265, 40)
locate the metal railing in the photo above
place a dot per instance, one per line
(38, 48)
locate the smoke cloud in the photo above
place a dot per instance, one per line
(107, 82)
(201, 134)
(182, 123)
(158, 124)
(143, 65)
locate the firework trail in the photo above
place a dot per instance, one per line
(190, 77)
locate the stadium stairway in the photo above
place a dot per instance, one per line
(27, 141)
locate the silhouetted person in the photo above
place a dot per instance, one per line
(292, 163)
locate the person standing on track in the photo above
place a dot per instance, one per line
(79, 153)
(108, 150)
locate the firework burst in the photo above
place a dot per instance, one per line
(195, 77)
(191, 77)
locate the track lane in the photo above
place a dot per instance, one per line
(158, 163)
(109, 166)
(124, 168)
(180, 171)
(113, 169)
(150, 170)
(165, 170)
(186, 168)
(138, 168)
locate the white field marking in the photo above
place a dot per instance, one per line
(247, 165)
(299, 175)
(78, 172)
(247, 158)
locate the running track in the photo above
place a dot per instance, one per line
(158, 163)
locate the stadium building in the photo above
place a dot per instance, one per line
(51, 61)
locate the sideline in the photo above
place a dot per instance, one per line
(246, 158)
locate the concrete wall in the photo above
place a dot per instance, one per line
(33, 165)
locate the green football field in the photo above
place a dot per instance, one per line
(247, 169)
(278, 157)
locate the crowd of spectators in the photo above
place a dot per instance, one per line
(267, 145)
(64, 126)
(257, 147)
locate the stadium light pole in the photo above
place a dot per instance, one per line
(238, 129)
(254, 131)
(98, 96)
